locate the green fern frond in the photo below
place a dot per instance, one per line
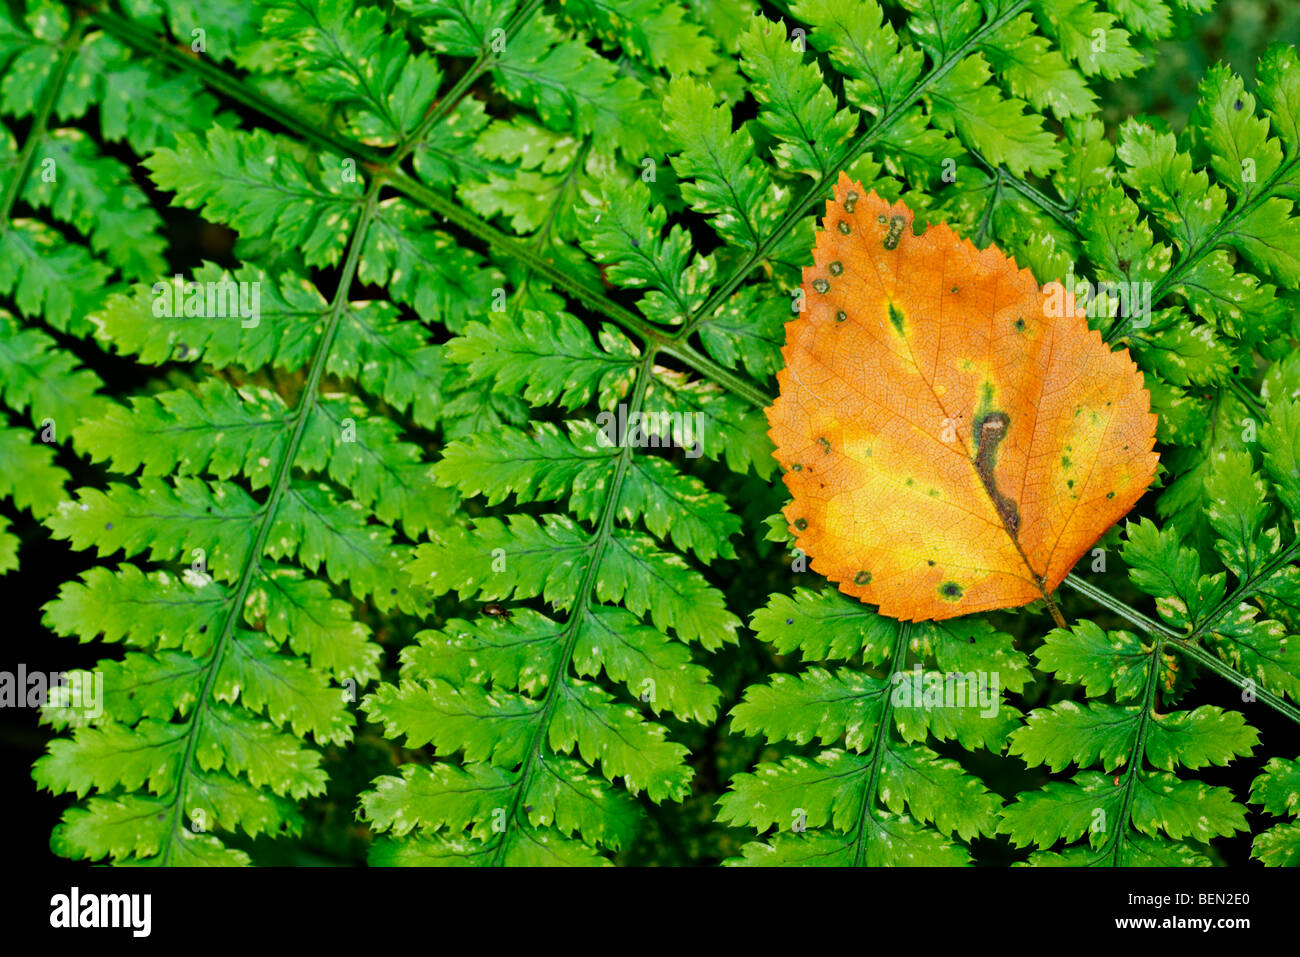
(488, 456)
(878, 794)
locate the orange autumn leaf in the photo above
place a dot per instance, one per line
(951, 442)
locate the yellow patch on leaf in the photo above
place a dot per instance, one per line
(952, 443)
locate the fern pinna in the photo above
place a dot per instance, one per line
(464, 445)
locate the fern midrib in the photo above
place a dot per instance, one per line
(540, 238)
(345, 63)
(883, 730)
(994, 196)
(796, 213)
(1246, 588)
(577, 615)
(1062, 214)
(71, 46)
(278, 488)
(1184, 643)
(1137, 753)
(471, 76)
(382, 167)
(1193, 257)
(229, 85)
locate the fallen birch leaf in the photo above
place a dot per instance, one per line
(951, 442)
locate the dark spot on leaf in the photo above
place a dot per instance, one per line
(1236, 104)
(954, 290)
(950, 590)
(895, 232)
(203, 629)
(1065, 461)
(896, 318)
(836, 268)
(108, 525)
(801, 523)
(930, 562)
(862, 578)
(971, 639)
(845, 228)
(841, 315)
(1110, 494)
(789, 621)
(825, 443)
(821, 285)
(796, 467)
(990, 429)
(1020, 325)
(882, 218)
(1069, 483)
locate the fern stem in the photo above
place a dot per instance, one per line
(700, 363)
(599, 541)
(280, 484)
(883, 728)
(1186, 644)
(819, 189)
(1060, 213)
(471, 76)
(1193, 257)
(40, 121)
(988, 208)
(539, 239)
(1248, 398)
(386, 168)
(1129, 614)
(231, 86)
(1227, 672)
(1247, 588)
(512, 248)
(1139, 748)
(654, 338)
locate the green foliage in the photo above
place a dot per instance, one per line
(448, 489)
(885, 798)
